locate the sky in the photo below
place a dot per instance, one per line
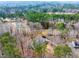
(39, 0)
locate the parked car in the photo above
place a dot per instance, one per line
(76, 44)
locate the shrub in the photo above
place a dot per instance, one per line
(62, 51)
(39, 49)
(60, 25)
(8, 43)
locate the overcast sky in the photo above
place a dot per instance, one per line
(39, 0)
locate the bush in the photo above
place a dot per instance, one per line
(60, 25)
(64, 33)
(8, 43)
(39, 49)
(62, 51)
